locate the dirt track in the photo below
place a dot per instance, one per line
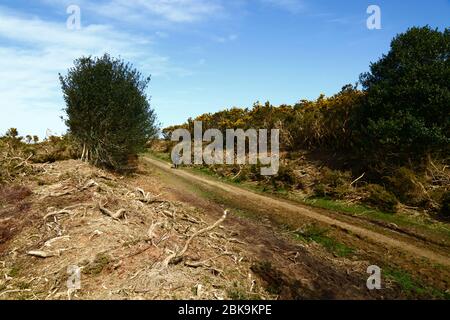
(255, 253)
(302, 211)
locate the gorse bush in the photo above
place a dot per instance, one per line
(381, 199)
(333, 183)
(385, 132)
(445, 205)
(17, 156)
(325, 122)
(402, 113)
(407, 186)
(108, 111)
(54, 149)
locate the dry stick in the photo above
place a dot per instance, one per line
(89, 184)
(204, 263)
(238, 174)
(23, 162)
(145, 195)
(355, 181)
(15, 291)
(51, 214)
(49, 243)
(153, 200)
(179, 256)
(151, 231)
(41, 254)
(84, 150)
(116, 216)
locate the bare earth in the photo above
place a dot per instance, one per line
(150, 236)
(277, 204)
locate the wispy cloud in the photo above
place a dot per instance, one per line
(34, 51)
(224, 39)
(149, 12)
(293, 6)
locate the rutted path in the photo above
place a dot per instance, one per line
(373, 236)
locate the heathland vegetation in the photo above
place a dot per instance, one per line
(384, 141)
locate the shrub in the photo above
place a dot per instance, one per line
(335, 178)
(108, 111)
(381, 199)
(284, 179)
(406, 186)
(333, 183)
(320, 190)
(55, 149)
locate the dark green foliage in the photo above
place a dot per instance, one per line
(445, 205)
(108, 111)
(333, 183)
(381, 199)
(406, 113)
(284, 179)
(272, 277)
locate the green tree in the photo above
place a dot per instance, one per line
(406, 113)
(108, 111)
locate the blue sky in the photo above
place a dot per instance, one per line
(203, 55)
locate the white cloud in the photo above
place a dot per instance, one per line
(228, 38)
(293, 6)
(34, 51)
(172, 10)
(149, 12)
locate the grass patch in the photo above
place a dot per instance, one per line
(96, 267)
(361, 210)
(411, 287)
(237, 292)
(342, 207)
(14, 271)
(319, 235)
(162, 156)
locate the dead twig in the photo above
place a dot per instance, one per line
(359, 178)
(119, 214)
(41, 254)
(23, 162)
(177, 258)
(49, 243)
(14, 291)
(89, 184)
(51, 214)
(204, 263)
(151, 231)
